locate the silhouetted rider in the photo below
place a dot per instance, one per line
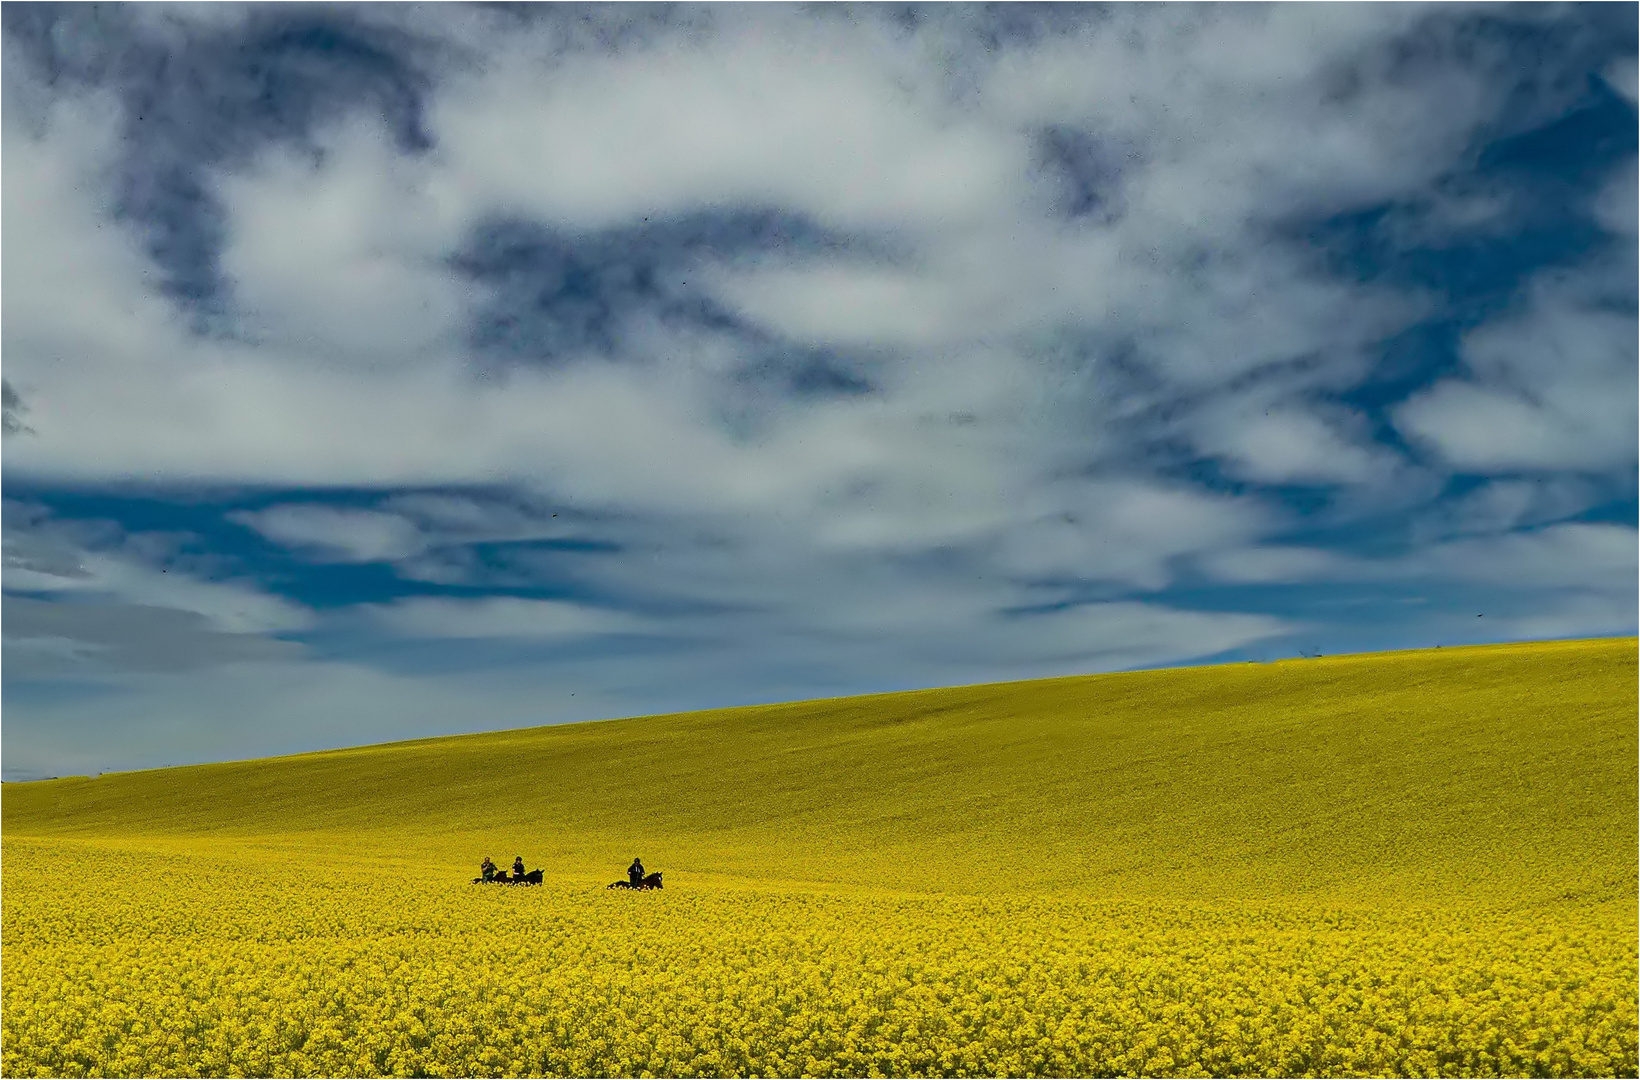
(635, 872)
(518, 866)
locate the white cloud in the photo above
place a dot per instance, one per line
(336, 533)
(80, 297)
(1275, 564)
(1248, 111)
(842, 305)
(1571, 555)
(772, 112)
(497, 617)
(1618, 204)
(1576, 615)
(232, 607)
(1620, 76)
(1553, 388)
(343, 259)
(1203, 138)
(1501, 506)
(1133, 635)
(1568, 556)
(1125, 532)
(467, 516)
(1286, 445)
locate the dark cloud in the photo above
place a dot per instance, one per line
(1085, 172)
(14, 408)
(45, 637)
(42, 556)
(553, 295)
(598, 27)
(987, 27)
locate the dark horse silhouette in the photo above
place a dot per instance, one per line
(531, 878)
(653, 881)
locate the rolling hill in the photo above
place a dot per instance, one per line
(1503, 774)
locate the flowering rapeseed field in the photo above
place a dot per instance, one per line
(1406, 864)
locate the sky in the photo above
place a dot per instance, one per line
(388, 371)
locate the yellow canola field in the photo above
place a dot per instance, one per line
(1142, 887)
(167, 970)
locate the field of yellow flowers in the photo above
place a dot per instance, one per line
(1401, 864)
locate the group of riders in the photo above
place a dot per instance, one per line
(487, 868)
(635, 873)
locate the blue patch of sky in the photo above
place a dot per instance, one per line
(1547, 175)
(530, 569)
(1612, 512)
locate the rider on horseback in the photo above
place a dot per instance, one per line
(487, 868)
(635, 872)
(518, 866)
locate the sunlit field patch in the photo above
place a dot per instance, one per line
(1410, 864)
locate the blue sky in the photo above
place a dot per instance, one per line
(389, 371)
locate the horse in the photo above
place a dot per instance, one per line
(531, 878)
(653, 881)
